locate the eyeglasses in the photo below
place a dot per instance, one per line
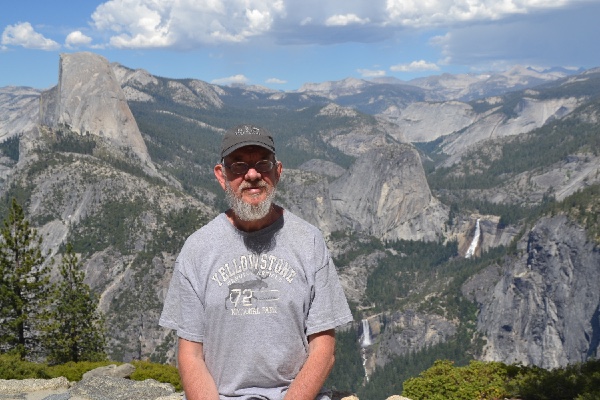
(240, 168)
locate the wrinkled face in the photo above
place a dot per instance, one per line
(250, 194)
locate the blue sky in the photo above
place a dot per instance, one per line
(282, 44)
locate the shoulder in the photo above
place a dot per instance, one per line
(300, 233)
(206, 235)
(293, 222)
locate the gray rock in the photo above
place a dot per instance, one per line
(385, 194)
(89, 100)
(543, 309)
(58, 396)
(121, 371)
(110, 388)
(11, 386)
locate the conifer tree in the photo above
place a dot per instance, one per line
(75, 329)
(24, 285)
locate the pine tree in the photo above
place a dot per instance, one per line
(24, 285)
(75, 329)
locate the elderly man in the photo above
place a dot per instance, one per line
(254, 297)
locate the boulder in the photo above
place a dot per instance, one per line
(121, 371)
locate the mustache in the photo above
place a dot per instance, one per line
(251, 185)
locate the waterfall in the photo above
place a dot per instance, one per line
(475, 242)
(366, 336)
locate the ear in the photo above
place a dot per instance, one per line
(278, 169)
(220, 175)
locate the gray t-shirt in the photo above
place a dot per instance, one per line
(252, 299)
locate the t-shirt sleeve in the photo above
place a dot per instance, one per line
(329, 307)
(183, 310)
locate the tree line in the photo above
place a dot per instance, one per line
(56, 320)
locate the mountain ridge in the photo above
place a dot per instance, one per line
(378, 198)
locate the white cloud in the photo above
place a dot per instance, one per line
(189, 24)
(23, 34)
(138, 23)
(419, 13)
(76, 39)
(347, 19)
(306, 21)
(420, 65)
(275, 81)
(185, 23)
(369, 73)
(235, 79)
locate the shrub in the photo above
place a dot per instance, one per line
(12, 367)
(74, 371)
(443, 381)
(159, 372)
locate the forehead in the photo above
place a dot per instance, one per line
(249, 153)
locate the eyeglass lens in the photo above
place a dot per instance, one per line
(239, 168)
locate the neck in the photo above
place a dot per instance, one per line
(251, 226)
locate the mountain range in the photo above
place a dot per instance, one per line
(402, 177)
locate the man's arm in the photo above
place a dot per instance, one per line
(197, 382)
(318, 365)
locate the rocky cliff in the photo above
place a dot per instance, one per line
(88, 100)
(345, 171)
(385, 194)
(542, 308)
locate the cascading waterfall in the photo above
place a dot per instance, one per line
(475, 242)
(366, 336)
(364, 343)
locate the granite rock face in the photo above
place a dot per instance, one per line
(88, 99)
(409, 331)
(540, 308)
(385, 194)
(544, 308)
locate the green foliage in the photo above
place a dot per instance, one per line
(361, 247)
(68, 141)
(74, 328)
(159, 372)
(493, 380)
(584, 207)
(10, 148)
(24, 285)
(181, 223)
(348, 371)
(577, 381)
(21, 193)
(396, 275)
(540, 148)
(74, 371)
(113, 225)
(388, 380)
(510, 214)
(444, 381)
(13, 367)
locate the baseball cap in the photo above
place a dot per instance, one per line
(246, 135)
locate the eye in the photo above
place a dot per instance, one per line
(263, 166)
(239, 168)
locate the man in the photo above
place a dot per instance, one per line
(254, 296)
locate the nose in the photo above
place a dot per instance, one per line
(252, 174)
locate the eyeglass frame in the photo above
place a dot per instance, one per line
(248, 166)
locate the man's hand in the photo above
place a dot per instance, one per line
(198, 384)
(318, 365)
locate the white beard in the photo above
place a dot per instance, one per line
(249, 212)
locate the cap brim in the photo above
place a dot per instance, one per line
(240, 145)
